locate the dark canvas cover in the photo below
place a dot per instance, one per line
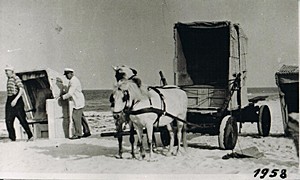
(209, 53)
(287, 80)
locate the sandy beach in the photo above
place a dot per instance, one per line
(94, 157)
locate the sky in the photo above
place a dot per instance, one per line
(90, 36)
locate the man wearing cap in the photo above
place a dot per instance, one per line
(14, 105)
(77, 97)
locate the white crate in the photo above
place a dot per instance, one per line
(58, 116)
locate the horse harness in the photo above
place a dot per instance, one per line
(159, 112)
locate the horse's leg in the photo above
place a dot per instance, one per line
(170, 129)
(131, 139)
(184, 141)
(140, 142)
(178, 134)
(119, 136)
(154, 144)
(181, 136)
(120, 139)
(149, 127)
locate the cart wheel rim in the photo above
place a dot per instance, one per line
(228, 133)
(264, 120)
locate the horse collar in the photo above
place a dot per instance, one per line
(130, 78)
(129, 110)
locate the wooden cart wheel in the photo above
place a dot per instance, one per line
(228, 133)
(264, 120)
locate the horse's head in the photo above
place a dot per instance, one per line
(124, 72)
(126, 94)
(120, 100)
(120, 118)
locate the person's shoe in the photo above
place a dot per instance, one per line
(30, 138)
(75, 137)
(86, 135)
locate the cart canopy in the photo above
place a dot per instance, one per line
(287, 80)
(210, 56)
(209, 53)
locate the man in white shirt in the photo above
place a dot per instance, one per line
(76, 96)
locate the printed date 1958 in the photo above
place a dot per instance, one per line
(262, 173)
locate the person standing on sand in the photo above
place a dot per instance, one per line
(85, 127)
(76, 96)
(14, 106)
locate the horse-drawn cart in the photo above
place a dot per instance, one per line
(287, 80)
(210, 65)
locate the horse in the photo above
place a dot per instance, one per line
(152, 107)
(122, 73)
(120, 123)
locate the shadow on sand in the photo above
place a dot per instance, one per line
(77, 151)
(203, 146)
(256, 135)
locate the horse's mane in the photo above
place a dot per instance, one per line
(137, 81)
(136, 92)
(124, 72)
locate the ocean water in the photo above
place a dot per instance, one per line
(262, 90)
(98, 100)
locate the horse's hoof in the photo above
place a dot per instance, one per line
(134, 157)
(140, 159)
(184, 152)
(166, 147)
(168, 154)
(152, 160)
(118, 157)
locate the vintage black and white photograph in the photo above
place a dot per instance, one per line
(140, 89)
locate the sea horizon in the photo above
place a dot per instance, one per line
(107, 89)
(98, 99)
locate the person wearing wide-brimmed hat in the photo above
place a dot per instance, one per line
(14, 106)
(75, 94)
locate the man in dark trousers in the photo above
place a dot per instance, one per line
(85, 127)
(14, 105)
